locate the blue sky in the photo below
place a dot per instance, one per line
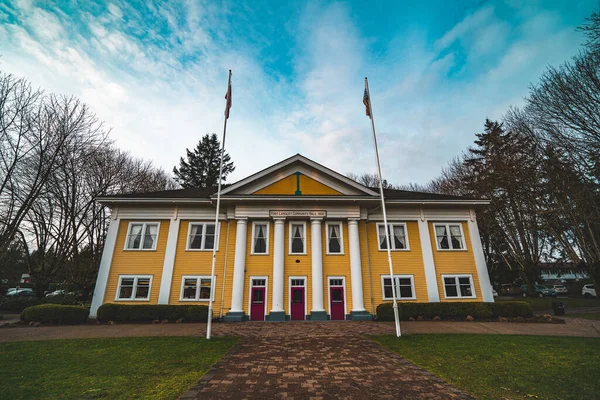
(156, 73)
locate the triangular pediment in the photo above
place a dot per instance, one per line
(298, 176)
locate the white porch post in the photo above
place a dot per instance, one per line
(317, 312)
(236, 313)
(358, 307)
(105, 262)
(277, 312)
(433, 292)
(169, 262)
(482, 271)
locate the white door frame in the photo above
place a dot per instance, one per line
(266, 278)
(343, 278)
(290, 294)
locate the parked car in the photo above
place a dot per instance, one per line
(588, 291)
(494, 293)
(59, 292)
(540, 291)
(25, 292)
(560, 289)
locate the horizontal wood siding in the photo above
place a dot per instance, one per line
(455, 262)
(137, 262)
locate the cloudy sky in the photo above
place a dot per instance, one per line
(157, 73)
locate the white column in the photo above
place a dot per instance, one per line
(104, 270)
(278, 252)
(355, 267)
(482, 271)
(317, 265)
(169, 263)
(239, 265)
(433, 292)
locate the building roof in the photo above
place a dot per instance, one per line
(245, 189)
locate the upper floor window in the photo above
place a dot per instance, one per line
(404, 285)
(297, 238)
(142, 236)
(449, 237)
(136, 288)
(458, 286)
(396, 236)
(260, 238)
(335, 243)
(201, 236)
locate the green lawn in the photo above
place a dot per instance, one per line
(545, 303)
(124, 368)
(506, 366)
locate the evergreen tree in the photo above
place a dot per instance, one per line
(201, 169)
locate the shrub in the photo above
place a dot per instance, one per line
(459, 310)
(150, 312)
(512, 309)
(55, 314)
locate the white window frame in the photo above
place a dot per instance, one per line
(250, 285)
(204, 223)
(198, 280)
(341, 225)
(254, 223)
(291, 224)
(133, 292)
(144, 224)
(396, 276)
(393, 244)
(343, 278)
(456, 276)
(305, 286)
(448, 235)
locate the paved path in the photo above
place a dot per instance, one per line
(573, 327)
(317, 366)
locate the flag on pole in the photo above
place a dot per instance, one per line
(228, 98)
(367, 102)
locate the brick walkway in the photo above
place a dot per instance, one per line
(316, 366)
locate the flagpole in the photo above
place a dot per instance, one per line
(387, 232)
(217, 230)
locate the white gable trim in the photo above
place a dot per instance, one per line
(331, 182)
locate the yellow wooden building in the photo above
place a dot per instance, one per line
(295, 241)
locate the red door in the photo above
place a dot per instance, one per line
(257, 309)
(336, 300)
(297, 303)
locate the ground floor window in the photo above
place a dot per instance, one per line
(404, 284)
(195, 288)
(458, 286)
(132, 287)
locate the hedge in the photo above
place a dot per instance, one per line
(55, 314)
(476, 310)
(18, 304)
(149, 313)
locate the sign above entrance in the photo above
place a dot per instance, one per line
(297, 213)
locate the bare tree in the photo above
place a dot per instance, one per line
(370, 180)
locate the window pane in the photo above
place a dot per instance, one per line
(406, 291)
(336, 295)
(205, 288)
(126, 290)
(449, 281)
(135, 236)
(260, 246)
(298, 296)
(464, 281)
(335, 282)
(387, 292)
(189, 288)
(399, 237)
(257, 296)
(196, 237)
(455, 230)
(258, 282)
(150, 236)
(443, 242)
(381, 236)
(209, 241)
(297, 239)
(143, 288)
(456, 242)
(334, 245)
(404, 281)
(465, 290)
(451, 291)
(440, 230)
